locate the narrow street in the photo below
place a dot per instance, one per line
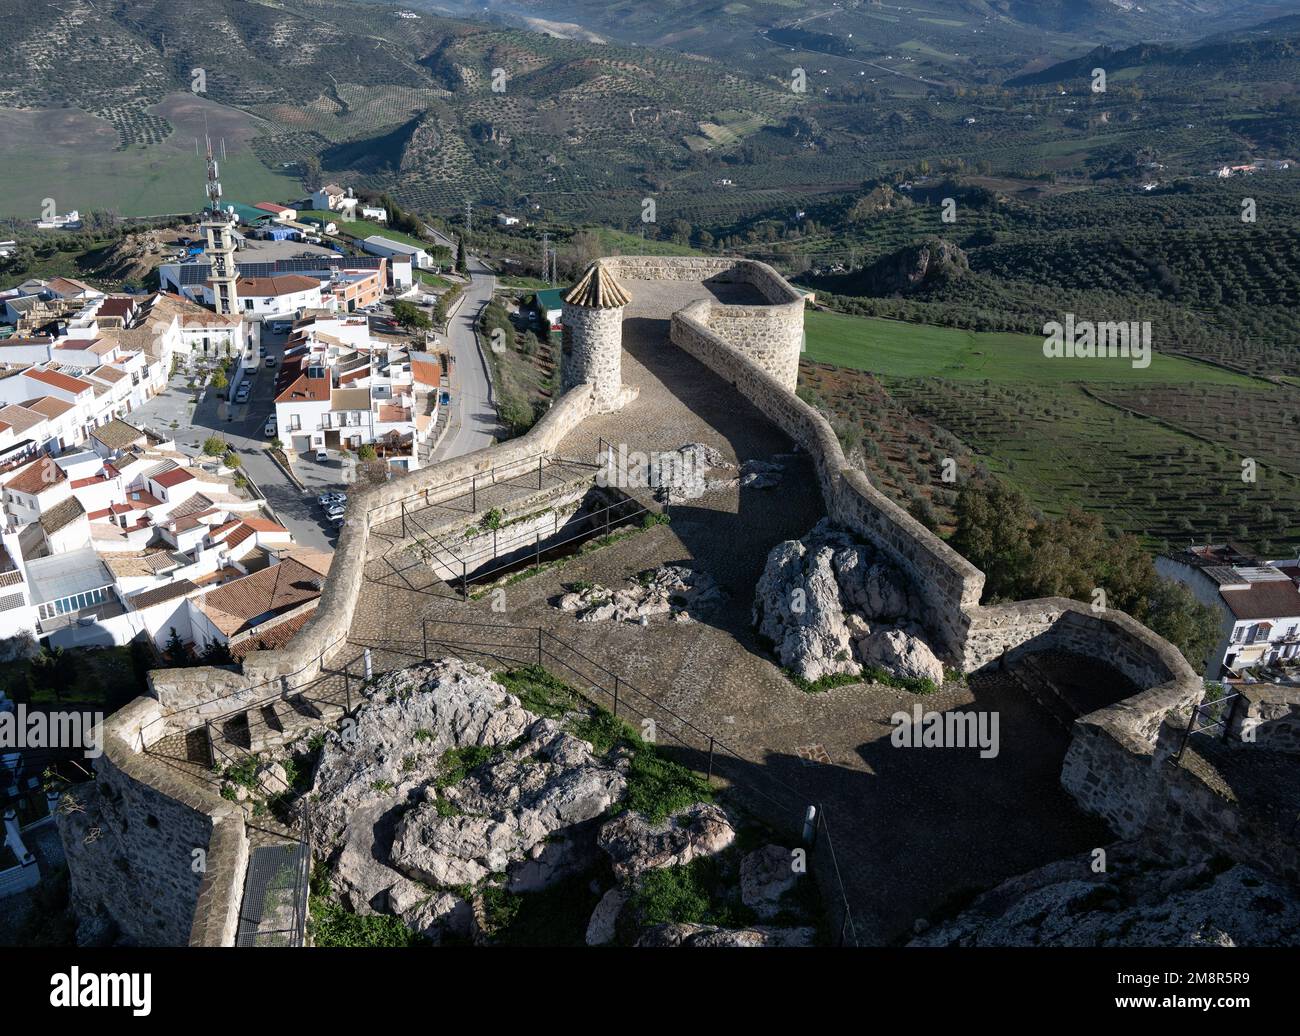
(474, 418)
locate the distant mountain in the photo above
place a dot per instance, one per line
(1253, 51)
(706, 24)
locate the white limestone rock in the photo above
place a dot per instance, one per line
(396, 842)
(1144, 899)
(797, 606)
(821, 598)
(603, 926)
(506, 813)
(635, 845)
(903, 654)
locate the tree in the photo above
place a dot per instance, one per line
(410, 316)
(311, 172)
(214, 446)
(1174, 612)
(217, 653)
(1025, 555)
(176, 654)
(461, 264)
(53, 670)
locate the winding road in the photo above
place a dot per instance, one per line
(474, 417)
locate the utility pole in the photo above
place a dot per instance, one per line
(546, 256)
(469, 215)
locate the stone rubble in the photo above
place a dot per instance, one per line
(682, 593)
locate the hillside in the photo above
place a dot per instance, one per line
(99, 100)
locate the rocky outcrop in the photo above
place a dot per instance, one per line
(408, 829)
(1141, 900)
(766, 875)
(683, 594)
(517, 816)
(690, 471)
(913, 267)
(903, 653)
(635, 845)
(829, 603)
(710, 936)
(444, 786)
(683, 474)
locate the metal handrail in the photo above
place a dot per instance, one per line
(473, 477)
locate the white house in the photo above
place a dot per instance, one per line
(333, 198)
(374, 213)
(1258, 603)
(32, 490)
(284, 294)
(377, 244)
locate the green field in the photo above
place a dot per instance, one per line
(618, 242)
(70, 156)
(1044, 425)
(892, 348)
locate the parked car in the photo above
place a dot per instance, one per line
(270, 361)
(322, 456)
(241, 396)
(335, 512)
(271, 428)
(326, 499)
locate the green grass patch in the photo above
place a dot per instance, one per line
(329, 923)
(656, 786)
(824, 683)
(539, 692)
(914, 684)
(898, 349)
(332, 924)
(659, 787)
(704, 891)
(456, 763)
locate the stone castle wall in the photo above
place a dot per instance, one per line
(1113, 767)
(151, 857)
(771, 335)
(131, 836)
(754, 348)
(946, 581)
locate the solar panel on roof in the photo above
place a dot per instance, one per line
(197, 273)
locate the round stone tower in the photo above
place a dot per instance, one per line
(593, 336)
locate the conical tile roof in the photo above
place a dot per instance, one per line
(598, 289)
